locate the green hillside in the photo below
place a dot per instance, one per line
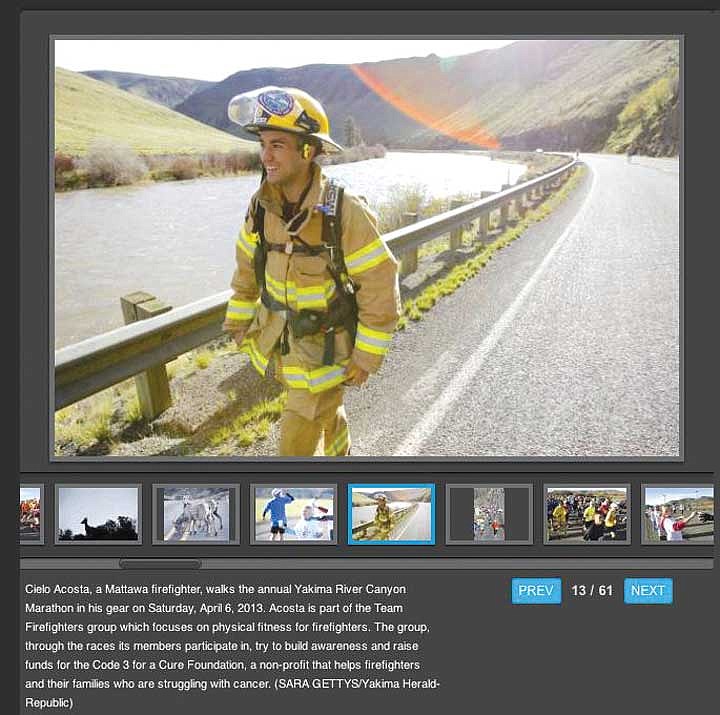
(86, 109)
(650, 122)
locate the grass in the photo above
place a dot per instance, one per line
(86, 108)
(252, 425)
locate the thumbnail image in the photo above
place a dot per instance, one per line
(302, 513)
(30, 515)
(489, 513)
(90, 514)
(679, 514)
(196, 513)
(392, 513)
(576, 515)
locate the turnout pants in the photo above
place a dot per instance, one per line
(311, 419)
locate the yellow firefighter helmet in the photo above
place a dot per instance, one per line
(284, 109)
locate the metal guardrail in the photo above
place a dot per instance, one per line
(104, 360)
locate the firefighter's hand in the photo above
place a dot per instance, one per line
(355, 375)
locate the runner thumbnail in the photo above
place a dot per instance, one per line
(579, 515)
(31, 515)
(679, 514)
(299, 513)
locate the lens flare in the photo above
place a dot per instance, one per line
(436, 115)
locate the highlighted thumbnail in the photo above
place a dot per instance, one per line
(106, 514)
(31, 505)
(679, 514)
(578, 515)
(391, 514)
(295, 514)
(190, 514)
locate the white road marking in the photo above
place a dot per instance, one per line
(425, 428)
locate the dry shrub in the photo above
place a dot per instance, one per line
(109, 163)
(185, 167)
(63, 163)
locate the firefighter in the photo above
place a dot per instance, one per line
(314, 288)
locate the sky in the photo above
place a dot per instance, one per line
(216, 59)
(661, 495)
(98, 504)
(29, 493)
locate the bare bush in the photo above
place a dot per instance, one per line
(63, 163)
(185, 167)
(109, 163)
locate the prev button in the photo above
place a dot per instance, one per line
(649, 591)
(536, 591)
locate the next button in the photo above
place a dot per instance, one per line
(649, 591)
(532, 591)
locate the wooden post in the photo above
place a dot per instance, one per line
(456, 235)
(153, 387)
(520, 208)
(409, 258)
(504, 210)
(484, 220)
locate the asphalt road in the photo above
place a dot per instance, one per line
(565, 345)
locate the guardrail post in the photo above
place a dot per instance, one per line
(484, 219)
(409, 259)
(456, 235)
(153, 386)
(504, 210)
(520, 208)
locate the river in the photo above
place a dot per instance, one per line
(176, 239)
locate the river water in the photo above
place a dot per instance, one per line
(176, 239)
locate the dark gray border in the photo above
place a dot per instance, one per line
(687, 542)
(608, 483)
(43, 505)
(299, 485)
(526, 542)
(315, 460)
(502, 565)
(87, 542)
(235, 517)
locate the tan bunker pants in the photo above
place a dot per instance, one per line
(308, 418)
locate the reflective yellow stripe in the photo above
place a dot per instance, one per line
(340, 445)
(372, 341)
(316, 296)
(368, 256)
(259, 361)
(318, 380)
(240, 310)
(247, 242)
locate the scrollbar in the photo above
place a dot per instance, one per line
(160, 564)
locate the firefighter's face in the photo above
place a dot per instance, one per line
(282, 158)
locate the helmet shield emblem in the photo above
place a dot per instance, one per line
(276, 102)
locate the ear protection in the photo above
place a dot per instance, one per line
(306, 151)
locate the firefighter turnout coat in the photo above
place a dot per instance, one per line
(302, 281)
